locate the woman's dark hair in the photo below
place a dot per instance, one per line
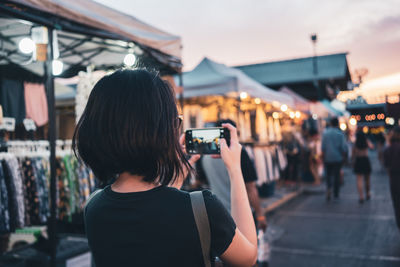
(361, 140)
(395, 135)
(130, 124)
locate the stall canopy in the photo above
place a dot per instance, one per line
(300, 102)
(88, 33)
(211, 78)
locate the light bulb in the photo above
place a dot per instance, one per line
(343, 126)
(291, 115)
(298, 114)
(26, 45)
(284, 107)
(353, 121)
(57, 67)
(257, 101)
(129, 60)
(243, 95)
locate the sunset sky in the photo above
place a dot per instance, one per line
(238, 32)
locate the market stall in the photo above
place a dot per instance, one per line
(213, 91)
(60, 38)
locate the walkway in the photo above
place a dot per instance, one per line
(311, 232)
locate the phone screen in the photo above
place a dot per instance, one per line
(204, 141)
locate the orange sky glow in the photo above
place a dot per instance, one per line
(236, 32)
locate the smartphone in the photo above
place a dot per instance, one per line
(205, 140)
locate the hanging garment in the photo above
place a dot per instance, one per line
(271, 132)
(247, 120)
(41, 168)
(282, 161)
(261, 125)
(278, 132)
(269, 164)
(242, 127)
(71, 182)
(63, 191)
(4, 213)
(31, 193)
(84, 184)
(259, 162)
(275, 165)
(12, 100)
(250, 152)
(36, 103)
(15, 189)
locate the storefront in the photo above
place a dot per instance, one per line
(41, 41)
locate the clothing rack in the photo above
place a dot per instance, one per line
(25, 170)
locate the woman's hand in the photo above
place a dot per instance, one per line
(231, 155)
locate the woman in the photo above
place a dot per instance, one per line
(362, 165)
(129, 131)
(391, 158)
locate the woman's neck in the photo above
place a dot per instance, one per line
(127, 183)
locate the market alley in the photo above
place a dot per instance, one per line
(339, 233)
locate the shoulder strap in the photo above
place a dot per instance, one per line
(202, 223)
(89, 199)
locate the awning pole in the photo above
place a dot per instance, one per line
(52, 231)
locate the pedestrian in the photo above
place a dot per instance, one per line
(362, 165)
(334, 153)
(129, 130)
(391, 157)
(218, 178)
(292, 149)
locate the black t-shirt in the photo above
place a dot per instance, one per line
(153, 228)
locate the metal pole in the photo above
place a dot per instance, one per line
(52, 231)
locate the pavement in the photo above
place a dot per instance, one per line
(306, 230)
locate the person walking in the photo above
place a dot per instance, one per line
(334, 153)
(391, 158)
(362, 165)
(218, 179)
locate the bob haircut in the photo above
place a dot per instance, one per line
(130, 124)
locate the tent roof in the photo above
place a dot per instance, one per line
(298, 70)
(211, 78)
(300, 102)
(90, 20)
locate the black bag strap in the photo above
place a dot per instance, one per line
(202, 223)
(89, 199)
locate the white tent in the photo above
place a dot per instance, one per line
(211, 78)
(88, 33)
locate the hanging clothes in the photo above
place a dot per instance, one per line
(15, 192)
(271, 132)
(31, 193)
(278, 132)
(12, 100)
(261, 125)
(261, 169)
(41, 168)
(36, 103)
(247, 121)
(269, 165)
(4, 208)
(282, 161)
